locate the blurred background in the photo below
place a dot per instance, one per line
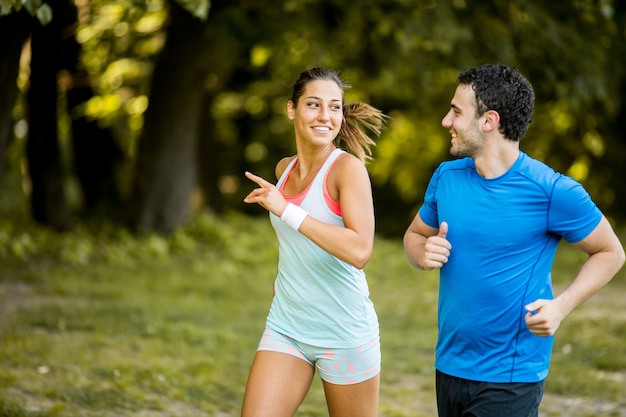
(146, 112)
(133, 278)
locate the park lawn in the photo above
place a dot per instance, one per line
(101, 323)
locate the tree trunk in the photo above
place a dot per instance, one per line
(96, 157)
(165, 172)
(48, 203)
(211, 152)
(14, 30)
(96, 153)
(208, 159)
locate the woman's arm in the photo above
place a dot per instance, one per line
(349, 184)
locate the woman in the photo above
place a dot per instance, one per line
(321, 208)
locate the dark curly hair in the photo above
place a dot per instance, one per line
(503, 89)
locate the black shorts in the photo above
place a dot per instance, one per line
(458, 397)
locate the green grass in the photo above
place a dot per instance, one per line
(101, 323)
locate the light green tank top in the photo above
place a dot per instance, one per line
(319, 299)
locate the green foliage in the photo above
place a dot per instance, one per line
(198, 8)
(11, 408)
(402, 56)
(108, 242)
(36, 8)
(119, 44)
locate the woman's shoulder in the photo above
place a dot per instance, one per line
(347, 161)
(346, 168)
(282, 165)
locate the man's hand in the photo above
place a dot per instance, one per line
(543, 317)
(436, 250)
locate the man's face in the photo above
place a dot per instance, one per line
(463, 123)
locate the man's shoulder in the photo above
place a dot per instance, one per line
(552, 182)
(537, 170)
(456, 164)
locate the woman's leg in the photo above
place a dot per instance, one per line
(353, 400)
(277, 385)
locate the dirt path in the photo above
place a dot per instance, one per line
(558, 406)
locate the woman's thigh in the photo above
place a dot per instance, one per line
(277, 384)
(353, 400)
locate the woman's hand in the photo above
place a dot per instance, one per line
(267, 195)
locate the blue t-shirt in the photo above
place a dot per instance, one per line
(504, 234)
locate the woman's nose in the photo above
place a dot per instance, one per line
(323, 114)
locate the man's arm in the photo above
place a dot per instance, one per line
(606, 257)
(426, 247)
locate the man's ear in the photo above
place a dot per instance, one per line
(492, 120)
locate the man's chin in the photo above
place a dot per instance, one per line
(457, 153)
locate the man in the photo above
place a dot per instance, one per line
(491, 221)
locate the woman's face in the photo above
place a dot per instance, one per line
(319, 112)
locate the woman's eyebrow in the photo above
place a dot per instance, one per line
(319, 98)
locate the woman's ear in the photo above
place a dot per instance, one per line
(291, 110)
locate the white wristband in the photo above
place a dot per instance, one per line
(293, 215)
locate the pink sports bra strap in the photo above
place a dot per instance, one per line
(333, 205)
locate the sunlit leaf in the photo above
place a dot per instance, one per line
(44, 14)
